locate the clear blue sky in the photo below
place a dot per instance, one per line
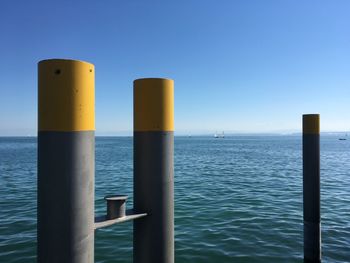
(238, 65)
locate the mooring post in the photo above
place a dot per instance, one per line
(66, 145)
(311, 188)
(115, 206)
(153, 170)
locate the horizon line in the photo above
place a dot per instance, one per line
(204, 134)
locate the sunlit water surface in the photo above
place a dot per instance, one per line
(237, 199)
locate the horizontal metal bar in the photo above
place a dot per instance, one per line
(102, 221)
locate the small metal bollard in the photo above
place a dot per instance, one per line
(115, 206)
(116, 212)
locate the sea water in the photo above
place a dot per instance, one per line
(237, 199)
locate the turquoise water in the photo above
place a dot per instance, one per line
(237, 199)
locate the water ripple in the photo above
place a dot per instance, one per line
(237, 199)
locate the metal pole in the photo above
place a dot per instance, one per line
(153, 170)
(66, 124)
(311, 187)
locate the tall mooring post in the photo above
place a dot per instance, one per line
(66, 124)
(153, 170)
(311, 188)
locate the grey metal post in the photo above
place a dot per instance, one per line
(66, 145)
(311, 188)
(153, 170)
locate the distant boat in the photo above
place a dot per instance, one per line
(216, 135)
(343, 139)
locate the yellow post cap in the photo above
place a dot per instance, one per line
(66, 90)
(154, 104)
(311, 124)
